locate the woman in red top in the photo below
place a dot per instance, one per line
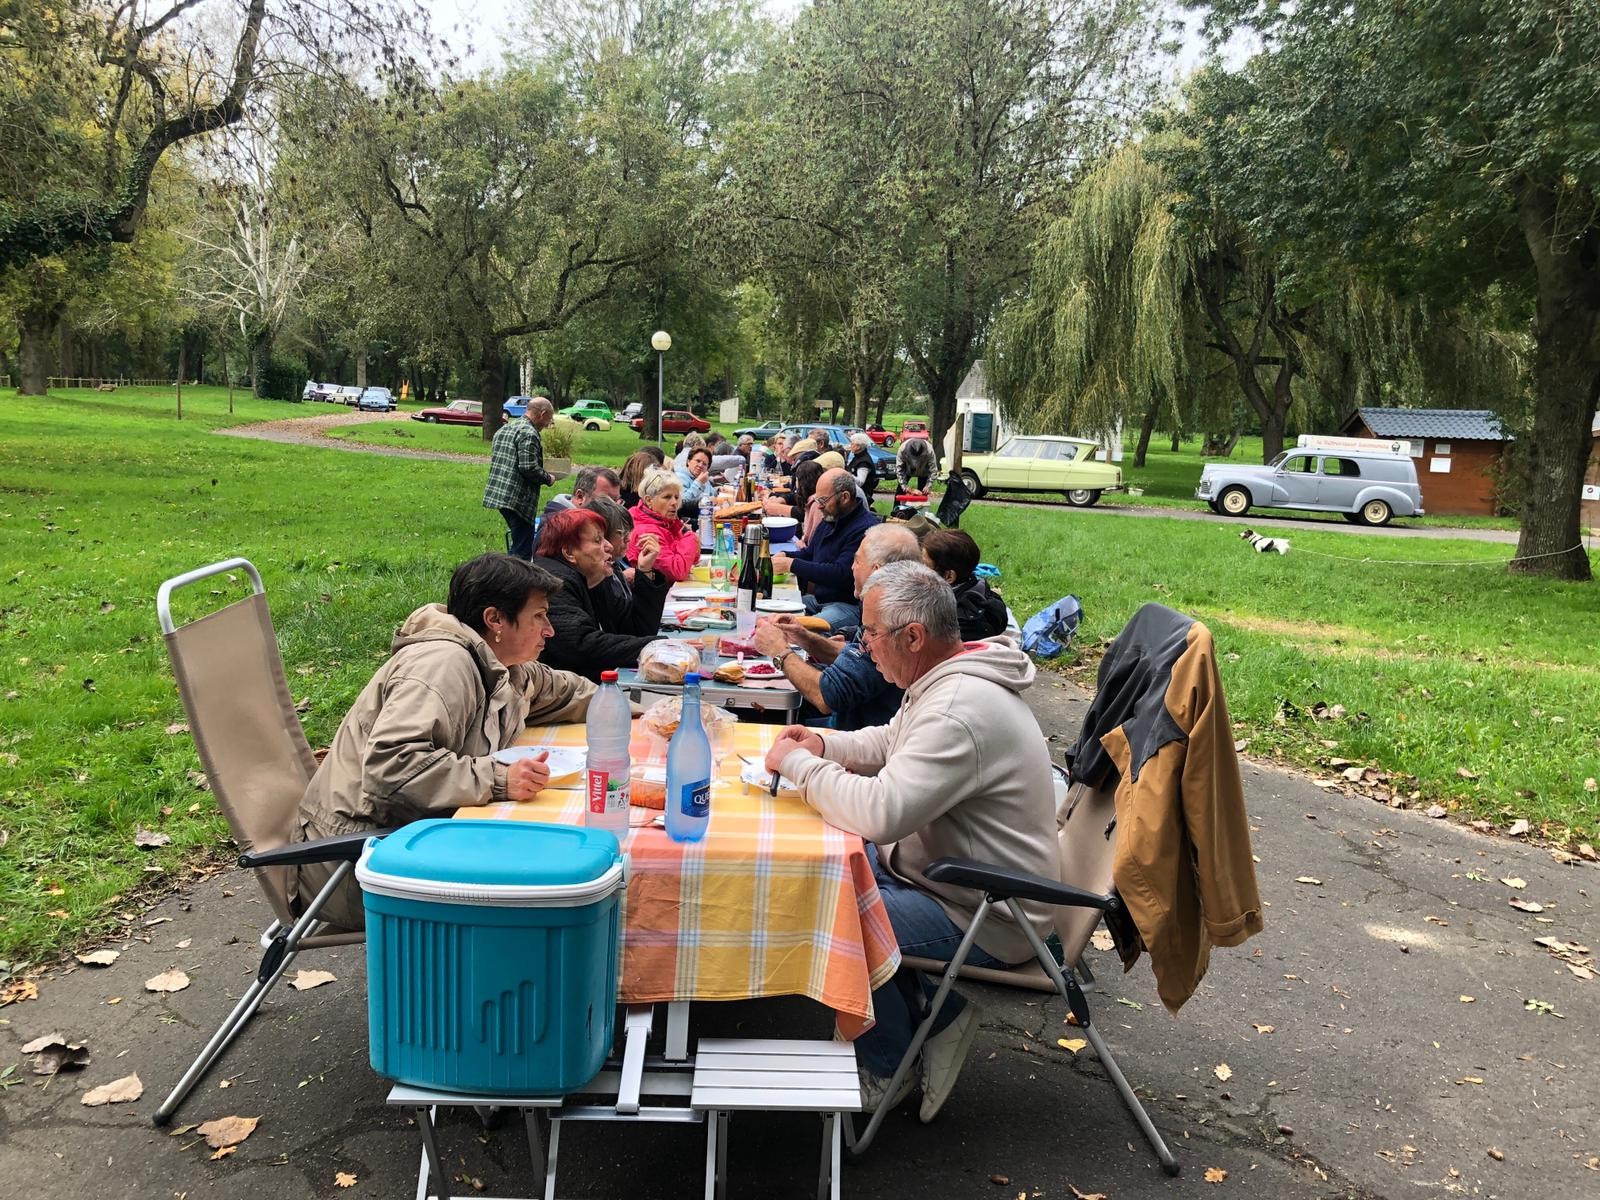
(660, 493)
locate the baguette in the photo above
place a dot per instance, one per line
(815, 624)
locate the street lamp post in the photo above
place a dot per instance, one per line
(662, 341)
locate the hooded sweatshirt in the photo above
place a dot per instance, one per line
(962, 770)
(418, 739)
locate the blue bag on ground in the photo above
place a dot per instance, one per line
(1049, 631)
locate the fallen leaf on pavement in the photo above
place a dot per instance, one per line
(1102, 940)
(99, 958)
(1133, 1004)
(227, 1131)
(1496, 1154)
(1265, 1029)
(167, 981)
(1001, 1179)
(1311, 879)
(53, 1053)
(1514, 882)
(1517, 902)
(306, 980)
(343, 1179)
(223, 1152)
(184, 945)
(1072, 1044)
(1468, 999)
(1223, 1072)
(17, 991)
(1215, 1174)
(118, 1091)
(1086, 1195)
(1581, 971)
(1436, 920)
(1477, 1079)
(1518, 828)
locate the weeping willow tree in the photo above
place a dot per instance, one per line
(1148, 306)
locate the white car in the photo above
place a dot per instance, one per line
(1043, 463)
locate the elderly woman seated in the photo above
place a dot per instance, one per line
(695, 476)
(592, 636)
(461, 680)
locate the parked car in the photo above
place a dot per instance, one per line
(590, 423)
(633, 410)
(760, 432)
(515, 407)
(839, 436)
(597, 409)
(675, 420)
(457, 412)
(376, 399)
(881, 436)
(1365, 487)
(913, 429)
(1041, 463)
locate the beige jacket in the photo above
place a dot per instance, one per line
(418, 740)
(961, 771)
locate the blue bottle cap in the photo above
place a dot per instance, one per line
(691, 677)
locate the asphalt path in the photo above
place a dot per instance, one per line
(1357, 1065)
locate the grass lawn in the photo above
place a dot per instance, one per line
(104, 496)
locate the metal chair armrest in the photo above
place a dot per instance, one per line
(346, 847)
(1003, 883)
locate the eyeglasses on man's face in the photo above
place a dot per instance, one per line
(869, 634)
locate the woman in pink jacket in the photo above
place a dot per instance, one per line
(660, 492)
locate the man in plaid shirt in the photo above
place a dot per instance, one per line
(516, 473)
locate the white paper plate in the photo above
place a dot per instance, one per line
(691, 593)
(757, 776)
(780, 606)
(566, 762)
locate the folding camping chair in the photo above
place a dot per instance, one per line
(1087, 844)
(258, 762)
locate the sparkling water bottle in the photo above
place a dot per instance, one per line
(609, 726)
(689, 770)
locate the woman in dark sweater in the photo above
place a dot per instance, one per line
(592, 633)
(953, 554)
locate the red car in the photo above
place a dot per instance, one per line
(457, 412)
(913, 429)
(675, 420)
(881, 436)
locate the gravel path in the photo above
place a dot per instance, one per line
(311, 431)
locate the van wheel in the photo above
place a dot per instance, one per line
(1082, 497)
(1375, 512)
(977, 489)
(1234, 502)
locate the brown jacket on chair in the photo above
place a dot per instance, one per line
(1183, 864)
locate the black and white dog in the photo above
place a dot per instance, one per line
(1263, 545)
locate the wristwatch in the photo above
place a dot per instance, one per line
(783, 658)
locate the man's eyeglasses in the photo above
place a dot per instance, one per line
(869, 634)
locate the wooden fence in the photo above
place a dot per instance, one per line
(94, 381)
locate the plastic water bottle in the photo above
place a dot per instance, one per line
(708, 508)
(609, 726)
(689, 770)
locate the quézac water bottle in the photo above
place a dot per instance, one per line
(689, 770)
(609, 726)
(708, 509)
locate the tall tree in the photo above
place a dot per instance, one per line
(1444, 146)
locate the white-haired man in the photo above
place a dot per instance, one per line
(961, 770)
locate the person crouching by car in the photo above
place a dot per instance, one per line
(954, 556)
(461, 680)
(590, 637)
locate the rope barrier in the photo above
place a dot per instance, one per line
(1469, 562)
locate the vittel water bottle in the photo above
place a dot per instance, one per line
(689, 770)
(609, 726)
(708, 509)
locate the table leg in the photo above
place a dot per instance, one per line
(550, 1165)
(636, 1026)
(530, 1117)
(722, 1120)
(677, 1030)
(713, 1127)
(431, 1157)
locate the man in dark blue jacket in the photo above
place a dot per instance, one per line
(841, 684)
(822, 569)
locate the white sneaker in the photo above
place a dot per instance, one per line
(875, 1090)
(943, 1056)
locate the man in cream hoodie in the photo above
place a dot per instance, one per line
(962, 770)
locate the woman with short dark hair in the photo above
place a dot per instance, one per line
(954, 555)
(591, 636)
(461, 681)
(633, 471)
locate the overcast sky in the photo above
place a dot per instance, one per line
(479, 29)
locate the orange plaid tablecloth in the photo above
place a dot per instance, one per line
(773, 901)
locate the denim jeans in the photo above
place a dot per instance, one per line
(922, 928)
(521, 530)
(840, 615)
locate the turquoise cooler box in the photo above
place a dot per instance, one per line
(492, 954)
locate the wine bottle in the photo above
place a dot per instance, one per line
(764, 572)
(749, 574)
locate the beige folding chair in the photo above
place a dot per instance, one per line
(1084, 891)
(258, 763)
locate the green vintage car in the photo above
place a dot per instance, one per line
(591, 414)
(1043, 463)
